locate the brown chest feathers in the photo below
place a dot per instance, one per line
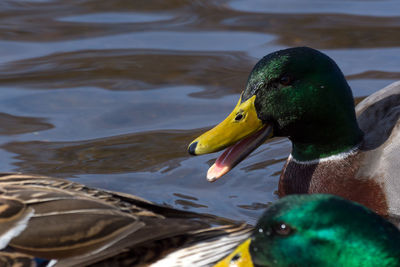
(338, 177)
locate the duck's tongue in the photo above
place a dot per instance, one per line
(236, 153)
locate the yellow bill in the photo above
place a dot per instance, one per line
(238, 258)
(242, 132)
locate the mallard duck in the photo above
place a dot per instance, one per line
(301, 93)
(46, 220)
(318, 230)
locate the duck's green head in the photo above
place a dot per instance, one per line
(299, 93)
(318, 230)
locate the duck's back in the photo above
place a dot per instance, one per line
(379, 118)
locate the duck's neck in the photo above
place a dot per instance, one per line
(339, 140)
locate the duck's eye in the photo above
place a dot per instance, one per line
(239, 116)
(285, 80)
(282, 229)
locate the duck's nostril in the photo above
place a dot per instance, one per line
(192, 148)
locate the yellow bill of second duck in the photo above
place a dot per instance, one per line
(238, 258)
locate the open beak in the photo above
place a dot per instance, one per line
(238, 258)
(242, 132)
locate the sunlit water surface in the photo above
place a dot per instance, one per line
(109, 93)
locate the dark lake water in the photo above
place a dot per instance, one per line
(109, 93)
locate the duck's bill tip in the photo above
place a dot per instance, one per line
(192, 148)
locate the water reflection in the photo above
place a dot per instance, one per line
(149, 151)
(355, 7)
(12, 125)
(219, 73)
(116, 17)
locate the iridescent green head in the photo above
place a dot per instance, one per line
(323, 230)
(318, 230)
(304, 95)
(299, 93)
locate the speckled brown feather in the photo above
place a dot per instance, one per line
(370, 176)
(12, 211)
(16, 260)
(80, 226)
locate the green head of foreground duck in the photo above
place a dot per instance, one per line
(318, 230)
(299, 93)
